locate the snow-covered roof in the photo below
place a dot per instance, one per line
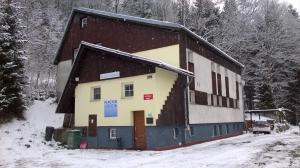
(152, 22)
(136, 57)
(256, 117)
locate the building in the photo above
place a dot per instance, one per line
(145, 84)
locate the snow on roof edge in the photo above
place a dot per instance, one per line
(159, 63)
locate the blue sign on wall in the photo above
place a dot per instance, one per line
(110, 108)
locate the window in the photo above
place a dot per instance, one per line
(215, 131)
(192, 131)
(128, 90)
(83, 22)
(175, 133)
(96, 93)
(220, 130)
(112, 133)
(192, 97)
(227, 129)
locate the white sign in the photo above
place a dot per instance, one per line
(110, 75)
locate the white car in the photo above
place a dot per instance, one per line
(261, 127)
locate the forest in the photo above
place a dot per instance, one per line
(264, 35)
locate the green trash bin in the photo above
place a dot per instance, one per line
(74, 137)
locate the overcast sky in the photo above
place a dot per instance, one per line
(295, 3)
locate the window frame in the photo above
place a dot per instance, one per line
(93, 93)
(112, 133)
(215, 131)
(192, 131)
(124, 90)
(83, 22)
(175, 133)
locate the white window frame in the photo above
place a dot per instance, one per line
(175, 135)
(84, 22)
(124, 91)
(93, 93)
(112, 133)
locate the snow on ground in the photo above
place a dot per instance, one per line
(277, 150)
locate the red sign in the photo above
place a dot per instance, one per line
(148, 96)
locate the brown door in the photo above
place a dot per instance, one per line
(139, 130)
(92, 130)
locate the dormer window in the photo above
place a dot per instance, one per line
(84, 22)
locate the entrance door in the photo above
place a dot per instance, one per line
(139, 130)
(92, 130)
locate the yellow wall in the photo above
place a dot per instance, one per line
(169, 54)
(160, 85)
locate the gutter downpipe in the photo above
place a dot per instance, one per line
(186, 101)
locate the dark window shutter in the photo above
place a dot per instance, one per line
(214, 87)
(227, 86)
(201, 98)
(224, 101)
(237, 90)
(219, 85)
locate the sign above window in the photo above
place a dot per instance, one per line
(110, 75)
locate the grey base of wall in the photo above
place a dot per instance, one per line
(162, 137)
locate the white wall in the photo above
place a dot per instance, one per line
(63, 71)
(202, 68)
(199, 114)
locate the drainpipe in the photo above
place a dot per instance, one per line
(186, 101)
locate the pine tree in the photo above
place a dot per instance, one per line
(293, 99)
(205, 18)
(140, 8)
(265, 97)
(11, 62)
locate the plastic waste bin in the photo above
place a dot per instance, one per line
(74, 137)
(49, 133)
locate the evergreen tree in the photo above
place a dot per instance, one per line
(140, 8)
(265, 97)
(183, 14)
(205, 17)
(293, 99)
(11, 62)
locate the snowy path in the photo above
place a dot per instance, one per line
(248, 150)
